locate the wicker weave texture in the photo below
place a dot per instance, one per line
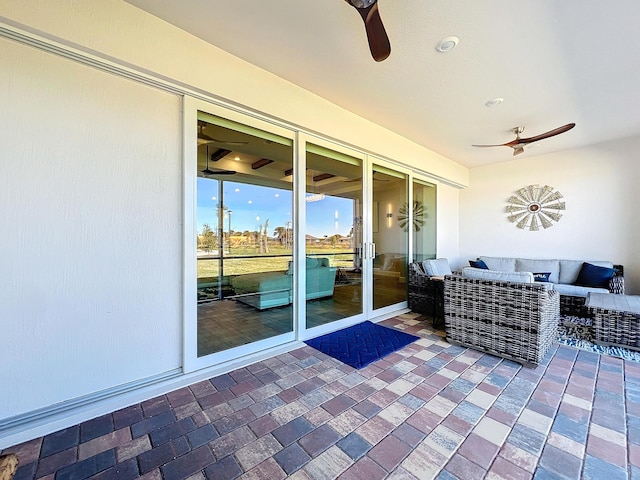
(574, 306)
(616, 284)
(517, 321)
(612, 327)
(425, 295)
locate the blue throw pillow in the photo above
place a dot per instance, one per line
(541, 276)
(478, 264)
(594, 276)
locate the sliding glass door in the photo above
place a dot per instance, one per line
(390, 233)
(244, 235)
(424, 220)
(291, 239)
(333, 234)
(358, 222)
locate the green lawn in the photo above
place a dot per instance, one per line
(277, 259)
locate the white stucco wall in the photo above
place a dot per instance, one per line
(91, 246)
(600, 188)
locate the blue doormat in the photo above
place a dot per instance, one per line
(361, 344)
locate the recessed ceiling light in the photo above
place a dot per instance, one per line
(237, 159)
(494, 101)
(447, 44)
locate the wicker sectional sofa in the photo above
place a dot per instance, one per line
(502, 310)
(563, 275)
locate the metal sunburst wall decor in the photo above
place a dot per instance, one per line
(418, 214)
(531, 207)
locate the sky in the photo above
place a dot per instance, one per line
(252, 205)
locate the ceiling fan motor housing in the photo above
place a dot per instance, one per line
(362, 3)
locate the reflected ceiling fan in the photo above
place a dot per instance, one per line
(206, 172)
(518, 143)
(373, 176)
(376, 34)
(204, 138)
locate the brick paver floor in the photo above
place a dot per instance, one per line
(429, 410)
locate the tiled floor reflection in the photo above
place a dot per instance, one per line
(228, 323)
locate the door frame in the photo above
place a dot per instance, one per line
(303, 139)
(190, 360)
(371, 161)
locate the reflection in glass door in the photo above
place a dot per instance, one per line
(424, 223)
(333, 236)
(390, 227)
(244, 240)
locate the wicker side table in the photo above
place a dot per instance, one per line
(616, 319)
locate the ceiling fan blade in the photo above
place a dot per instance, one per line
(206, 171)
(498, 145)
(518, 143)
(379, 44)
(228, 142)
(550, 133)
(203, 138)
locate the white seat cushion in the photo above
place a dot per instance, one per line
(483, 274)
(436, 268)
(576, 290)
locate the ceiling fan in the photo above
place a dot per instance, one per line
(206, 172)
(518, 143)
(360, 178)
(376, 34)
(204, 138)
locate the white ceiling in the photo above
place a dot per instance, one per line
(553, 62)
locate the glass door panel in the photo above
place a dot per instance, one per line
(244, 241)
(333, 236)
(424, 220)
(390, 233)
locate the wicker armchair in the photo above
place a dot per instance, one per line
(426, 295)
(517, 321)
